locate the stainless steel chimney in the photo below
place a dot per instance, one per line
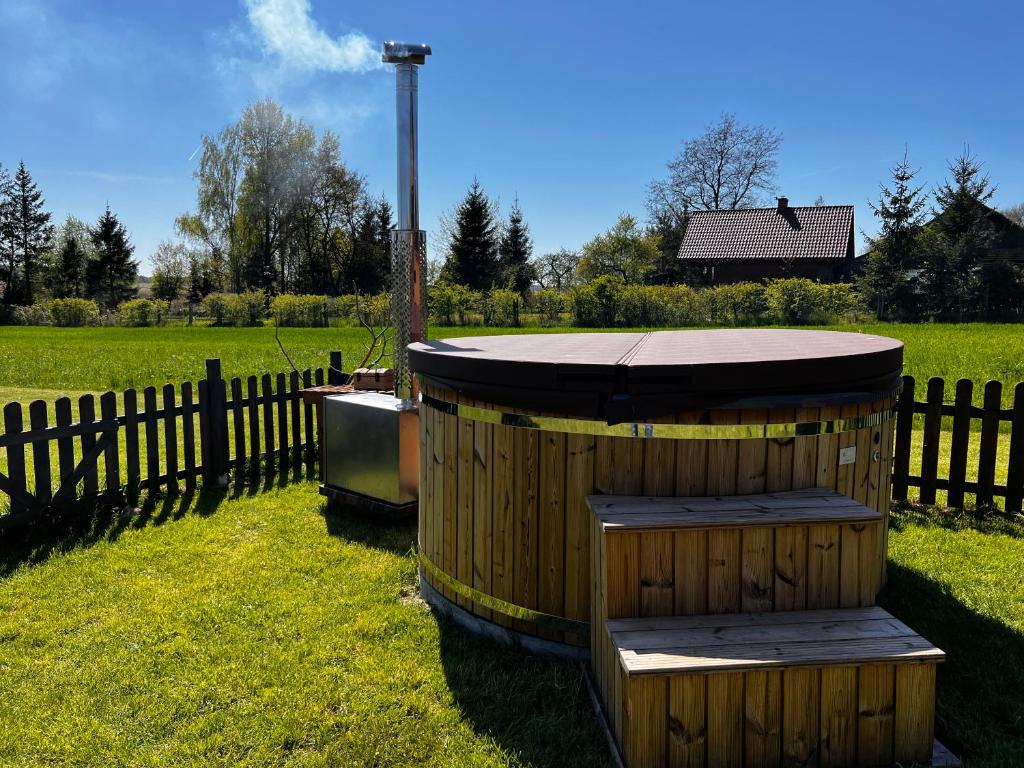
(408, 241)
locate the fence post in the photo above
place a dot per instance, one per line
(214, 428)
(904, 427)
(334, 374)
(1015, 472)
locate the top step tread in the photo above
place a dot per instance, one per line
(677, 645)
(783, 508)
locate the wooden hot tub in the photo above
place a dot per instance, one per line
(516, 432)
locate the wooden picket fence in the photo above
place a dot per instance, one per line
(253, 428)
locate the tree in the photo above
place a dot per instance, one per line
(28, 235)
(729, 166)
(1014, 213)
(170, 271)
(895, 249)
(556, 270)
(626, 251)
(514, 252)
(72, 251)
(111, 274)
(473, 242)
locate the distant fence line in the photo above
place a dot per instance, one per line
(262, 427)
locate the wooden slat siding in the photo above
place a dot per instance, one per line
(111, 453)
(725, 719)
(930, 440)
(170, 439)
(13, 425)
(885, 494)
(904, 432)
(914, 717)
(691, 572)
(579, 482)
(294, 397)
(659, 467)
(267, 388)
(464, 540)
(152, 439)
(437, 511)
(989, 443)
(483, 515)
(758, 570)
(790, 569)
(875, 709)
(254, 425)
(1015, 472)
(845, 473)
(960, 441)
(657, 582)
(450, 499)
(779, 475)
(43, 487)
(281, 398)
(723, 458)
(687, 711)
(551, 528)
(823, 566)
(753, 456)
(188, 435)
(526, 485)
(622, 599)
(307, 423)
(838, 723)
(647, 706)
(66, 445)
(801, 690)
(805, 451)
(691, 460)
(851, 539)
(424, 526)
(864, 463)
(87, 415)
(762, 703)
(827, 452)
(238, 424)
(724, 569)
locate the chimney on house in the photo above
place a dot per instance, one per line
(783, 204)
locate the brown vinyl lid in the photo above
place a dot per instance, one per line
(688, 367)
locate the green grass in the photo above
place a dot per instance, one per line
(958, 583)
(261, 631)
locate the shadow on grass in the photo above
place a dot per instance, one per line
(389, 533)
(980, 705)
(535, 708)
(982, 519)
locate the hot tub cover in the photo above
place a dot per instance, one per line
(627, 376)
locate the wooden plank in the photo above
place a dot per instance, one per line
(691, 461)
(657, 581)
(723, 458)
(930, 440)
(823, 566)
(758, 570)
(111, 453)
(989, 443)
(450, 498)
(763, 620)
(790, 569)
(204, 429)
(853, 539)
(725, 564)
(838, 716)
(762, 703)
(254, 424)
(551, 527)
(647, 709)
(87, 415)
(904, 432)
(266, 386)
(864, 463)
(188, 435)
(438, 512)
(725, 719)
(238, 424)
(845, 472)
(659, 463)
(805, 452)
(752, 466)
(875, 707)
(152, 439)
(526, 485)
(131, 442)
(464, 552)
(43, 489)
(687, 730)
(885, 496)
(800, 703)
(307, 423)
(691, 572)
(170, 439)
(915, 713)
(579, 482)
(483, 514)
(13, 425)
(960, 441)
(503, 532)
(1015, 470)
(780, 454)
(827, 460)
(281, 398)
(294, 399)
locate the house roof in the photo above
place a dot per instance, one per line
(798, 232)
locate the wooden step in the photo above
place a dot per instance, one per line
(843, 687)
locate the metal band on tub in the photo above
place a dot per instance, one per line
(546, 620)
(661, 431)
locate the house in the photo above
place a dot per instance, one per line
(730, 246)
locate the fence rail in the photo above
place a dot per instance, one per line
(260, 425)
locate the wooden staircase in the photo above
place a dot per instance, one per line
(740, 631)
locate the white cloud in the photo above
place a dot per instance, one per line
(288, 32)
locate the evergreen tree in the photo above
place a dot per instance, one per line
(473, 248)
(72, 251)
(514, 252)
(896, 249)
(111, 274)
(7, 250)
(29, 234)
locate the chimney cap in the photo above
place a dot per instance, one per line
(783, 203)
(404, 53)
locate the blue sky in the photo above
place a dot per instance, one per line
(574, 107)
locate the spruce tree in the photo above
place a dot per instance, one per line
(72, 249)
(111, 274)
(8, 272)
(514, 252)
(473, 250)
(30, 235)
(895, 250)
